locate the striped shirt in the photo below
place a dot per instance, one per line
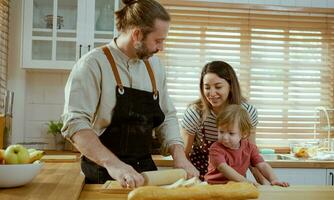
(193, 124)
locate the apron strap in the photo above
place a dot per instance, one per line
(150, 72)
(113, 67)
(116, 74)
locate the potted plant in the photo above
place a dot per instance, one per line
(54, 128)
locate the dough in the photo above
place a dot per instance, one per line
(229, 191)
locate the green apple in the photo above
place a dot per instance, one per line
(16, 154)
(2, 156)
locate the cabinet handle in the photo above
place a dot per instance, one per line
(331, 175)
(80, 46)
(89, 47)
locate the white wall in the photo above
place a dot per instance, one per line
(44, 101)
(39, 94)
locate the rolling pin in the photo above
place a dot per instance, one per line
(163, 177)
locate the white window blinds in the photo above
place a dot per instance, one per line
(283, 57)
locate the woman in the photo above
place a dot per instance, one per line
(219, 87)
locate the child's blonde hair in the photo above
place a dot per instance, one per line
(235, 113)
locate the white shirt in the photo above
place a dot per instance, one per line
(90, 93)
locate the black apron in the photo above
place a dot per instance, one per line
(129, 136)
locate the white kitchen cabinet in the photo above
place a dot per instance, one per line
(299, 176)
(302, 176)
(57, 42)
(330, 177)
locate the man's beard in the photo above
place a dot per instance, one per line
(142, 52)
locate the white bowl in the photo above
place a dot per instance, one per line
(18, 175)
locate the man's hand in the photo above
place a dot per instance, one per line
(89, 145)
(125, 175)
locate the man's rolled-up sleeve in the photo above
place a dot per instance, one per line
(82, 93)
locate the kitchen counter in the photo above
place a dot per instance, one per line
(162, 161)
(91, 192)
(64, 181)
(55, 181)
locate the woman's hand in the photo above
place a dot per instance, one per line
(187, 166)
(181, 161)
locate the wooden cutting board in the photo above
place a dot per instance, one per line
(158, 178)
(60, 158)
(114, 187)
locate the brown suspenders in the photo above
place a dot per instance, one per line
(116, 74)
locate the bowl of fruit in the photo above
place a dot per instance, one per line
(19, 165)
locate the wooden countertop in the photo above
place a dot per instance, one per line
(162, 161)
(91, 192)
(55, 181)
(64, 181)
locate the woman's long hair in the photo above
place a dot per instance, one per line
(225, 71)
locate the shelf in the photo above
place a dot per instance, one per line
(44, 30)
(41, 38)
(48, 30)
(61, 39)
(102, 40)
(104, 32)
(66, 39)
(66, 31)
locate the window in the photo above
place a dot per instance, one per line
(284, 60)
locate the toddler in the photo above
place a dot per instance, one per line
(232, 154)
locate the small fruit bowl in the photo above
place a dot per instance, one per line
(14, 175)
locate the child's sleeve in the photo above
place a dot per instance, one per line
(216, 155)
(256, 158)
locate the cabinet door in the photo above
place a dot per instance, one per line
(302, 176)
(330, 177)
(299, 176)
(101, 17)
(50, 33)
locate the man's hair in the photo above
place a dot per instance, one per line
(235, 113)
(141, 14)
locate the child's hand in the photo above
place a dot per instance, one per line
(254, 183)
(282, 184)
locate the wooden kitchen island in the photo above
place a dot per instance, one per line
(61, 181)
(65, 182)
